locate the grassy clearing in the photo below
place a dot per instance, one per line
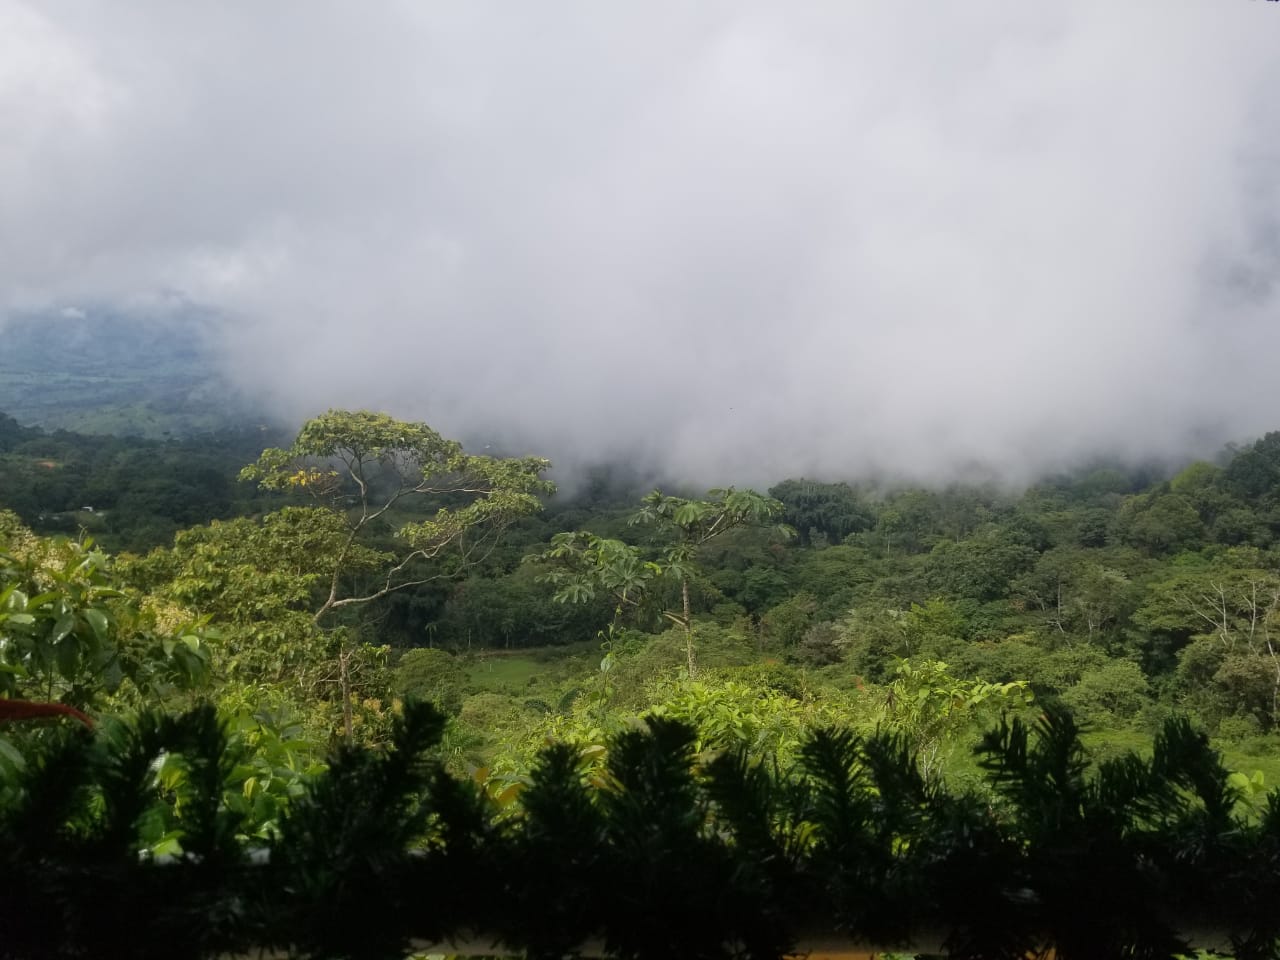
(510, 675)
(516, 674)
(1260, 754)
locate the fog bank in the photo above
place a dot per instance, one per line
(738, 241)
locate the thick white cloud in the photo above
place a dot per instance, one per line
(737, 239)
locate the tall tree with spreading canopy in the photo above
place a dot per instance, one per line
(363, 470)
(362, 465)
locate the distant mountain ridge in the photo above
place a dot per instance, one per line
(117, 374)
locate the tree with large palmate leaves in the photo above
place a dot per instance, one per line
(582, 564)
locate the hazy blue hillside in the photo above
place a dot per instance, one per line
(114, 374)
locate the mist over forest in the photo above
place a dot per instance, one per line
(717, 480)
(725, 240)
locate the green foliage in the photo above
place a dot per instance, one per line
(1113, 592)
(1178, 806)
(785, 625)
(261, 581)
(981, 568)
(830, 510)
(247, 570)
(1115, 691)
(928, 706)
(754, 589)
(1077, 594)
(580, 565)
(733, 715)
(657, 852)
(431, 675)
(361, 469)
(926, 624)
(1224, 618)
(822, 644)
(276, 761)
(512, 610)
(836, 577)
(361, 465)
(84, 826)
(584, 564)
(130, 493)
(1161, 523)
(343, 850)
(700, 521)
(1253, 475)
(68, 632)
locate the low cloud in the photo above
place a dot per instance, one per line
(738, 241)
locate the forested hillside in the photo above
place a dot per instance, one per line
(308, 591)
(104, 372)
(1126, 593)
(129, 493)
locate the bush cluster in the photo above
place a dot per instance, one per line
(661, 853)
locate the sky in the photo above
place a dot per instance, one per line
(734, 241)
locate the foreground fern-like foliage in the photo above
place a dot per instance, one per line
(664, 853)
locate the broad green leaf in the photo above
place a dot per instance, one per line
(12, 756)
(66, 623)
(97, 620)
(170, 845)
(67, 654)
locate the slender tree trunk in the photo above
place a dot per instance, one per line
(688, 626)
(344, 678)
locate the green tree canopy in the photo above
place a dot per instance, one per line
(584, 564)
(362, 466)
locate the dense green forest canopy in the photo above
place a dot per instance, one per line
(1116, 588)
(309, 588)
(130, 492)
